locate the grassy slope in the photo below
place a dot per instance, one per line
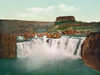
(74, 25)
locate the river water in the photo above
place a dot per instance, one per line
(55, 57)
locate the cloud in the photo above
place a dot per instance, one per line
(36, 9)
(41, 9)
(64, 7)
(42, 13)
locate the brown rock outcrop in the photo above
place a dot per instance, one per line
(53, 35)
(29, 35)
(40, 35)
(57, 35)
(7, 46)
(91, 51)
(45, 33)
(68, 31)
(65, 18)
(49, 35)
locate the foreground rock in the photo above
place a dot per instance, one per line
(91, 51)
(7, 46)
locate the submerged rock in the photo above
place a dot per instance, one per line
(91, 51)
(47, 40)
(7, 46)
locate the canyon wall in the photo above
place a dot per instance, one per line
(91, 51)
(7, 46)
(9, 29)
(17, 26)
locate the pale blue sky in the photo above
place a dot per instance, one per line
(48, 10)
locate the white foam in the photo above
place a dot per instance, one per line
(55, 48)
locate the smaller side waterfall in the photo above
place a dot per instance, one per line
(65, 46)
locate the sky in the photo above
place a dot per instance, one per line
(48, 10)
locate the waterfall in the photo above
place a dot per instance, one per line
(62, 47)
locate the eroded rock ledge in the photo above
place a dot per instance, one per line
(91, 51)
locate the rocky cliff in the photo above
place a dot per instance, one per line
(91, 51)
(7, 46)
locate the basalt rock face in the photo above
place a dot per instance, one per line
(91, 51)
(65, 18)
(7, 46)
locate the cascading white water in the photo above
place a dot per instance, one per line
(63, 47)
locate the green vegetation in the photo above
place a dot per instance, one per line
(64, 22)
(63, 27)
(74, 27)
(81, 27)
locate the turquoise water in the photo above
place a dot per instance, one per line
(75, 35)
(34, 66)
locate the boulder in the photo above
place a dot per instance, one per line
(91, 51)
